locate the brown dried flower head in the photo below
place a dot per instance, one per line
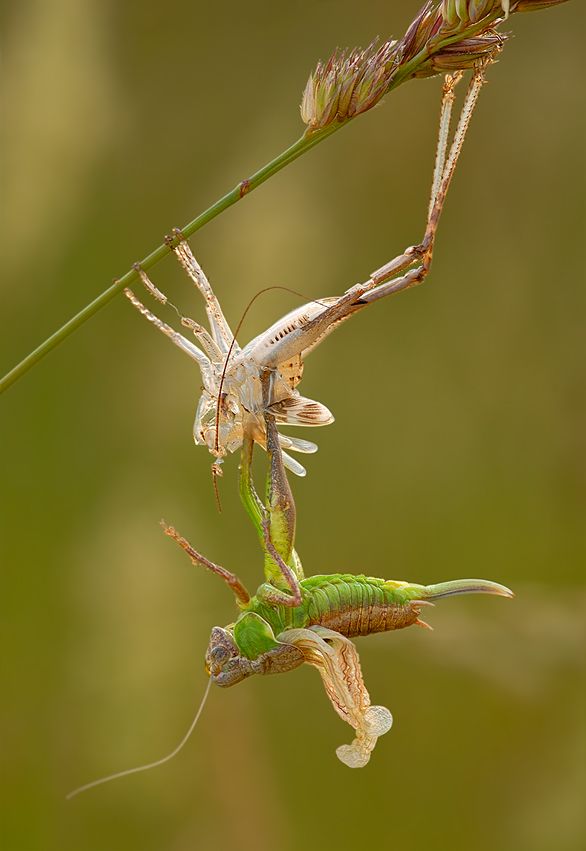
(450, 35)
(349, 83)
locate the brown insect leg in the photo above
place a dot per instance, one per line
(229, 578)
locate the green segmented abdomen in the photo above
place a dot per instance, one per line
(361, 605)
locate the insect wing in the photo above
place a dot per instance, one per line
(297, 445)
(265, 349)
(304, 328)
(300, 411)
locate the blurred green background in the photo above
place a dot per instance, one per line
(458, 449)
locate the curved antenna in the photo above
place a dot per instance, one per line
(149, 765)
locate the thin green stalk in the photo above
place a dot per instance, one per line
(351, 85)
(305, 143)
(301, 146)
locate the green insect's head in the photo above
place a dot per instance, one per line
(224, 662)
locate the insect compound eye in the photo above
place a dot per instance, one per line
(219, 655)
(220, 650)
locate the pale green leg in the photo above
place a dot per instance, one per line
(275, 523)
(248, 495)
(281, 505)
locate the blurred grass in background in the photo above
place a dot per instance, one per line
(459, 446)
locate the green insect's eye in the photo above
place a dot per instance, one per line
(219, 654)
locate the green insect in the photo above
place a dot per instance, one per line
(291, 618)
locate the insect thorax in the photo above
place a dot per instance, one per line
(234, 404)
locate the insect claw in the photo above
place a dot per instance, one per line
(424, 624)
(172, 239)
(422, 603)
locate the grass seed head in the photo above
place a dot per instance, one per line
(450, 35)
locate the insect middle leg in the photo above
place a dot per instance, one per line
(280, 518)
(275, 522)
(220, 329)
(240, 592)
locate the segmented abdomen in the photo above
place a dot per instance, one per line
(360, 605)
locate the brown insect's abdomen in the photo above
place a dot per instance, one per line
(358, 606)
(376, 617)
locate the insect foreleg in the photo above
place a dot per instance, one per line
(240, 592)
(182, 342)
(220, 329)
(210, 346)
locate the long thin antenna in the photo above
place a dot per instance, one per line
(149, 765)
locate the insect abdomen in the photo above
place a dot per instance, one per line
(360, 605)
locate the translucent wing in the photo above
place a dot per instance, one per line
(297, 445)
(293, 465)
(297, 410)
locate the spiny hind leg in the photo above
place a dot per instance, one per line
(402, 261)
(447, 104)
(258, 513)
(384, 281)
(279, 497)
(440, 191)
(445, 165)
